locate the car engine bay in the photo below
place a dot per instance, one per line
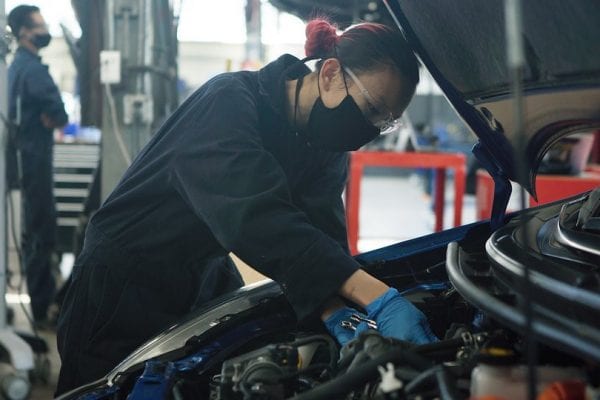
(467, 281)
(476, 357)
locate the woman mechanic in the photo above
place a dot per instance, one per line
(253, 163)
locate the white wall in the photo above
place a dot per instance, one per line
(198, 61)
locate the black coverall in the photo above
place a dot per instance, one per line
(29, 78)
(226, 173)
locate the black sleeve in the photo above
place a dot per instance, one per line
(240, 191)
(41, 90)
(320, 196)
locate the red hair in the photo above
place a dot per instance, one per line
(321, 38)
(362, 47)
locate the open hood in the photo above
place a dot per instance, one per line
(462, 44)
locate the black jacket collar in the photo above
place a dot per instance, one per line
(272, 79)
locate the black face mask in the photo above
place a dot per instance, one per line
(40, 40)
(342, 128)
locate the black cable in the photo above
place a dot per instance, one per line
(447, 390)
(446, 386)
(415, 274)
(526, 304)
(5, 120)
(21, 265)
(8, 125)
(11, 214)
(446, 344)
(362, 374)
(516, 65)
(420, 379)
(13, 231)
(423, 349)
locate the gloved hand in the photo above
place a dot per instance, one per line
(398, 318)
(343, 327)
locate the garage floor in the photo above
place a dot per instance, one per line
(393, 208)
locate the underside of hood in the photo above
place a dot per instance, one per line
(463, 45)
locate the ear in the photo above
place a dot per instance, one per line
(330, 74)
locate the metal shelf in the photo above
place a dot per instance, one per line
(73, 178)
(74, 167)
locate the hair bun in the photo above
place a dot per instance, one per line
(321, 38)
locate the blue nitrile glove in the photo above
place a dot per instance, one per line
(398, 318)
(335, 321)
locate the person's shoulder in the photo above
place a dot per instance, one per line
(34, 68)
(27, 68)
(231, 83)
(230, 90)
(38, 67)
(224, 93)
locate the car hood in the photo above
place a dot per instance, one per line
(462, 43)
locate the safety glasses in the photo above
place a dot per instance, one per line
(385, 125)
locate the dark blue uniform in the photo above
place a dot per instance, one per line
(226, 173)
(29, 78)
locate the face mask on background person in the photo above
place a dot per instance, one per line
(41, 40)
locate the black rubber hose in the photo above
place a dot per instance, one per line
(447, 344)
(447, 389)
(424, 349)
(446, 385)
(362, 374)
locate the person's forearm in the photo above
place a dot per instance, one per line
(362, 288)
(330, 307)
(51, 123)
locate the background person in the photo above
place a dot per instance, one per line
(33, 92)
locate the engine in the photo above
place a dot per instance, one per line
(374, 367)
(476, 359)
(251, 346)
